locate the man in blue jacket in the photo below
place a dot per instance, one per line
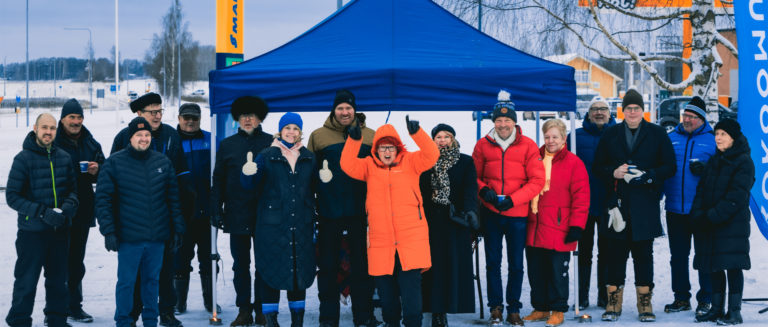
(165, 140)
(694, 143)
(197, 152)
(42, 188)
(77, 141)
(137, 205)
(598, 120)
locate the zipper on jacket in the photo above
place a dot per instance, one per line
(559, 218)
(502, 169)
(682, 173)
(418, 203)
(53, 181)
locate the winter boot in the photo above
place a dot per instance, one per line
(297, 318)
(537, 315)
(703, 308)
(615, 297)
(272, 319)
(644, 308)
(513, 318)
(181, 284)
(556, 319)
(78, 315)
(733, 317)
(439, 320)
(206, 285)
(497, 316)
(260, 319)
(716, 311)
(243, 318)
(677, 306)
(168, 320)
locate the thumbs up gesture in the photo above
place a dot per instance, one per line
(249, 168)
(325, 174)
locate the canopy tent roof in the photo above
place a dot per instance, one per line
(395, 55)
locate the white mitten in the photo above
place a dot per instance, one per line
(325, 174)
(632, 174)
(615, 220)
(250, 168)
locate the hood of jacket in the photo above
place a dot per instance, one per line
(592, 128)
(740, 146)
(382, 132)
(30, 143)
(703, 129)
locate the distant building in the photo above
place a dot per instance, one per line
(590, 77)
(728, 83)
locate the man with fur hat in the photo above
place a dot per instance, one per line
(42, 189)
(232, 207)
(341, 207)
(165, 140)
(633, 159)
(694, 143)
(509, 175)
(137, 205)
(74, 138)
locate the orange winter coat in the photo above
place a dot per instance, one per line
(396, 220)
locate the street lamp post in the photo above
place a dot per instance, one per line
(27, 59)
(90, 61)
(117, 69)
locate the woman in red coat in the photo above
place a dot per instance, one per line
(557, 218)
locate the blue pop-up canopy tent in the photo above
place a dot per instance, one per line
(394, 55)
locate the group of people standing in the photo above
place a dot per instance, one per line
(411, 218)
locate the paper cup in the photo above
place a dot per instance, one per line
(501, 197)
(83, 166)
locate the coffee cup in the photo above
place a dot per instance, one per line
(83, 166)
(501, 197)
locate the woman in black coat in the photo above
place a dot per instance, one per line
(721, 214)
(283, 249)
(448, 287)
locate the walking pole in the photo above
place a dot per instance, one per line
(585, 317)
(477, 276)
(215, 320)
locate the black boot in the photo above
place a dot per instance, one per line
(181, 284)
(206, 284)
(272, 319)
(439, 320)
(168, 320)
(297, 318)
(733, 317)
(716, 312)
(244, 317)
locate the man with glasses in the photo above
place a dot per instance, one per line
(694, 143)
(597, 121)
(633, 159)
(165, 140)
(233, 209)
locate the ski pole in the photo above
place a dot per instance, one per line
(215, 320)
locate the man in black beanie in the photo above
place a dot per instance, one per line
(239, 218)
(165, 140)
(86, 154)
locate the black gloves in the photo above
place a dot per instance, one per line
(217, 221)
(474, 223)
(489, 195)
(69, 207)
(54, 217)
(574, 234)
(354, 132)
(413, 125)
(697, 168)
(176, 242)
(646, 178)
(505, 204)
(110, 242)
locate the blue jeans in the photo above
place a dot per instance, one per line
(146, 259)
(680, 234)
(513, 228)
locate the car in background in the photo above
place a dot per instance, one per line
(669, 110)
(132, 95)
(199, 92)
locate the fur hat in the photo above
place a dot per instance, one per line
(729, 126)
(71, 107)
(698, 107)
(138, 124)
(249, 105)
(145, 100)
(632, 97)
(289, 118)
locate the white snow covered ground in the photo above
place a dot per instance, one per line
(100, 278)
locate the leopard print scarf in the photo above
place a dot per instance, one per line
(441, 185)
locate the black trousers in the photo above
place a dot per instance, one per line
(617, 254)
(586, 244)
(331, 231)
(78, 238)
(240, 247)
(36, 251)
(735, 281)
(198, 232)
(167, 298)
(548, 277)
(402, 286)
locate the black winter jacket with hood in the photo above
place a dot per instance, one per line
(85, 148)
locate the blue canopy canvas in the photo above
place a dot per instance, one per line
(407, 55)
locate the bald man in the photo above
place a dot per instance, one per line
(42, 189)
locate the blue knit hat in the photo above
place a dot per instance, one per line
(289, 118)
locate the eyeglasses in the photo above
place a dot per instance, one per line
(190, 117)
(248, 116)
(633, 108)
(690, 117)
(593, 109)
(387, 148)
(153, 112)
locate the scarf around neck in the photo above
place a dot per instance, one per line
(441, 184)
(504, 144)
(291, 154)
(547, 161)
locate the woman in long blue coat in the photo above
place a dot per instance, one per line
(284, 252)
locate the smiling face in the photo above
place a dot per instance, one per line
(387, 153)
(554, 140)
(443, 139)
(290, 133)
(344, 114)
(691, 121)
(45, 130)
(504, 127)
(153, 113)
(72, 123)
(140, 140)
(189, 123)
(599, 113)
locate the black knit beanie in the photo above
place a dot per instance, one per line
(730, 126)
(344, 96)
(72, 106)
(632, 97)
(698, 107)
(138, 124)
(443, 127)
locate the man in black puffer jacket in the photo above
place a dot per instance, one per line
(42, 188)
(137, 205)
(77, 141)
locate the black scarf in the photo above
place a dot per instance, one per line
(441, 185)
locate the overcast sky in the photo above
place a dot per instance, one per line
(268, 24)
